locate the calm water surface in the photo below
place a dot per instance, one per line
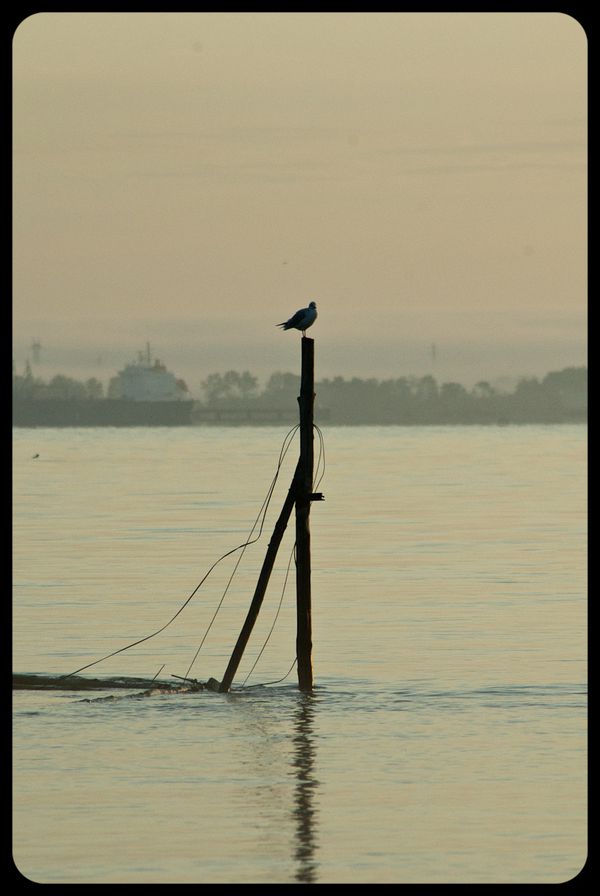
(445, 740)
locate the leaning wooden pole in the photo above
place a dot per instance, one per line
(261, 585)
(303, 500)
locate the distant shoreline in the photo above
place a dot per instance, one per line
(234, 399)
(88, 413)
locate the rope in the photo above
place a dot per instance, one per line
(279, 680)
(283, 452)
(320, 459)
(287, 572)
(261, 516)
(243, 546)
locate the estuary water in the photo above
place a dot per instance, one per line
(445, 740)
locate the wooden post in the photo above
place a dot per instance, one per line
(261, 585)
(303, 499)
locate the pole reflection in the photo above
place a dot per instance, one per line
(304, 811)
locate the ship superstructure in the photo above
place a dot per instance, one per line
(147, 379)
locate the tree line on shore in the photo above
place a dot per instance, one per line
(561, 396)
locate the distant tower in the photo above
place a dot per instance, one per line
(433, 352)
(36, 348)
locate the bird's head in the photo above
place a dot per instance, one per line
(312, 304)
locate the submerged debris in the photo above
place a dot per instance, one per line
(35, 682)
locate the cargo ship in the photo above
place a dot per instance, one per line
(143, 393)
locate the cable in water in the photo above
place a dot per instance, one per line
(244, 686)
(265, 506)
(283, 452)
(263, 684)
(275, 620)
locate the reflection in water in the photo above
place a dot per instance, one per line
(304, 811)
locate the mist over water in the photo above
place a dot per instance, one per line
(391, 345)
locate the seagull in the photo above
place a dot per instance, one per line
(302, 319)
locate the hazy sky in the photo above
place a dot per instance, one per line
(193, 178)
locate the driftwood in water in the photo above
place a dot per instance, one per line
(33, 682)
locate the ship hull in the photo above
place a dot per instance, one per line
(100, 412)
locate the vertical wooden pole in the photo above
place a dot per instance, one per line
(303, 499)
